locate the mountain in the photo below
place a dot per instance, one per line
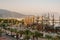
(10, 14)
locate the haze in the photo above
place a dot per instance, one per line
(32, 7)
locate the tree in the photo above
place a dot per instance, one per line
(21, 33)
(12, 30)
(0, 32)
(28, 34)
(49, 37)
(15, 30)
(56, 38)
(36, 35)
(17, 33)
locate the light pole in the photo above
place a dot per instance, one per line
(53, 20)
(59, 20)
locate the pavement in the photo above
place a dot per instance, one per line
(6, 37)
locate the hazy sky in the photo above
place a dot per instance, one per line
(31, 6)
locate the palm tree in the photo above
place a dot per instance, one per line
(0, 32)
(17, 34)
(28, 34)
(56, 38)
(21, 33)
(49, 37)
(15, 30)
(11, 30)
(1, 24)
(36, 35)
(42, 21)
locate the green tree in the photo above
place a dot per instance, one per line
(28, 34)
(21, 33)
(49, 37)
(0, 32)
(56, 38)
(36, 35)
(13, 30)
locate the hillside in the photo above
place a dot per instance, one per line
(10, 14)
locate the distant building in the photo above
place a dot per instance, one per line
(29, 20)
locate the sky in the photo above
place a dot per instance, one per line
(32, 7)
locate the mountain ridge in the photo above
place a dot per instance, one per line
(10, 14)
